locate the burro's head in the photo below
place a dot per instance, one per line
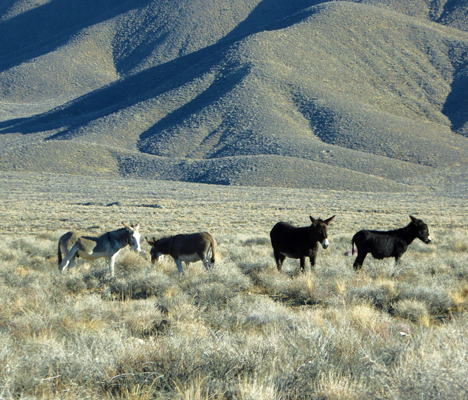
(156, 255)
(319, 228)
(133, 236)
(422, 231)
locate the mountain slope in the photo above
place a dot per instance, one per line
(240, 93)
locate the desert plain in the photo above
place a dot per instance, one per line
(241, 330)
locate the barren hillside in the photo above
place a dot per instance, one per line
(367, 95)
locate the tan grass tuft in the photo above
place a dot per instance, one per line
(334, 386)
(414, 311)
(460, 296)
(256, 388)
(340, 287)
(364, 316)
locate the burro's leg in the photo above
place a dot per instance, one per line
(313, 258)
(179, 265)
(279, 258)
(111, 264)
(359, 260)
(64, 265)
(69, 259)
(203, 255)
(302, 262)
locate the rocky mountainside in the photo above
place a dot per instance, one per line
(359, 95)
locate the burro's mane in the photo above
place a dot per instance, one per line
(166, 237)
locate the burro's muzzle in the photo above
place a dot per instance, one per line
(136, 247)
(325, 243)
(156, 258)
(428, 240)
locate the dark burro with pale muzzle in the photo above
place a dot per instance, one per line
(299, 242)
(384, 244)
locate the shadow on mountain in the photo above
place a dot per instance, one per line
(265, 16)
(149, 142)
(51, 25)
(5, 5)
(454, 14)
(456, 104)
(118, 95)
(153, 81)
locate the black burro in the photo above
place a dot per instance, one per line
(385, 244)
(299, 242)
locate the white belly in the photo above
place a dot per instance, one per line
(92, 256)
(291, 255)
(190, 257)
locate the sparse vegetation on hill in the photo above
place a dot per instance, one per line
(320, 89)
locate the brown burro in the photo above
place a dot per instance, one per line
(188, 248)
(290, 241)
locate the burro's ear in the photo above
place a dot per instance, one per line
(414, 219)
(327, 221)
(149, 241)
(314, 221)
(137, 227)
(126, 226)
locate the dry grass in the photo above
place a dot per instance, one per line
(242, 330)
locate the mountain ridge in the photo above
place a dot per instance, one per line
(305, 83)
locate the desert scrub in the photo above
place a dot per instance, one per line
(28, 252)
(227, 327)
(145, 319)
(208, 288)
(426, 368)
(253, 312)
(299, 290)
(380, 295)
(241, 329)
(453, 240)
(130, 262)
(413, 310)
(436, 299)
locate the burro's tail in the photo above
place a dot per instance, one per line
(353, 250)
(213, 250)
(59, 254)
